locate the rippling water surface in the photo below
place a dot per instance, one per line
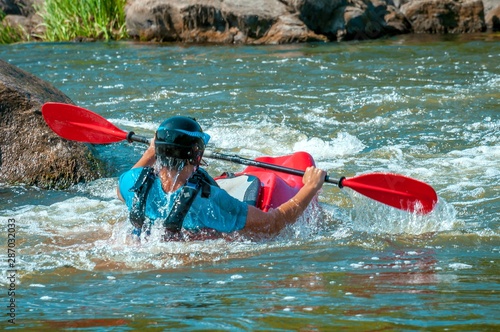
(426, 107)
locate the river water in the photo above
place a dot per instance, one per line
(425, 107)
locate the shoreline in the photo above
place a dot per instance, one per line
(410, 37)
(200, 22)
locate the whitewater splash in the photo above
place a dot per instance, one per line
(93, 233)
(370, 216)
(90, 230)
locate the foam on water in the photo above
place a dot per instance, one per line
(249, 139)
(372, 217)
(252, 137)
(474, 172)
(344, 144)
(91, 232)
(353, 118)
(278, 139)
(145, 126)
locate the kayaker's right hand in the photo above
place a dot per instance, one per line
(270, 223)
(314, 178)
(148, 158)
(151, 147)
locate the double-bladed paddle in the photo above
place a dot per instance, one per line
(79, 124)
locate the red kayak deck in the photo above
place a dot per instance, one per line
(274, 188)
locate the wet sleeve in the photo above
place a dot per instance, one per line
(223, 212)
(127, 181)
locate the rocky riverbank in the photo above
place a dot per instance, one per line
(284, 21)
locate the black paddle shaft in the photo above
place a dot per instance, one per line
(131, 137)
(250, 162)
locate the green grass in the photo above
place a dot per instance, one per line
(66, 20)
(11, 34)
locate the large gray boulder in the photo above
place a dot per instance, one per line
(30, 153)
(198, 21)
(22, 13)
(492, 15)
(445, 16)
(352, 19)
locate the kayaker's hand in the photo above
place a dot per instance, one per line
(260, 223)
(148, 158)
(314, 178)
(151, 147)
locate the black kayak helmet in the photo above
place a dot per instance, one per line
(180, 137)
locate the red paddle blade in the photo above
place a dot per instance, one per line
(395, 190)
(79, 124)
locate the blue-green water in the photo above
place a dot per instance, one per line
(425, 107)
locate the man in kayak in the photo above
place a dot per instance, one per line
(167, 185)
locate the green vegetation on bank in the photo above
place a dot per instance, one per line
(65, 20)
(69, 19)
(11, 34)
